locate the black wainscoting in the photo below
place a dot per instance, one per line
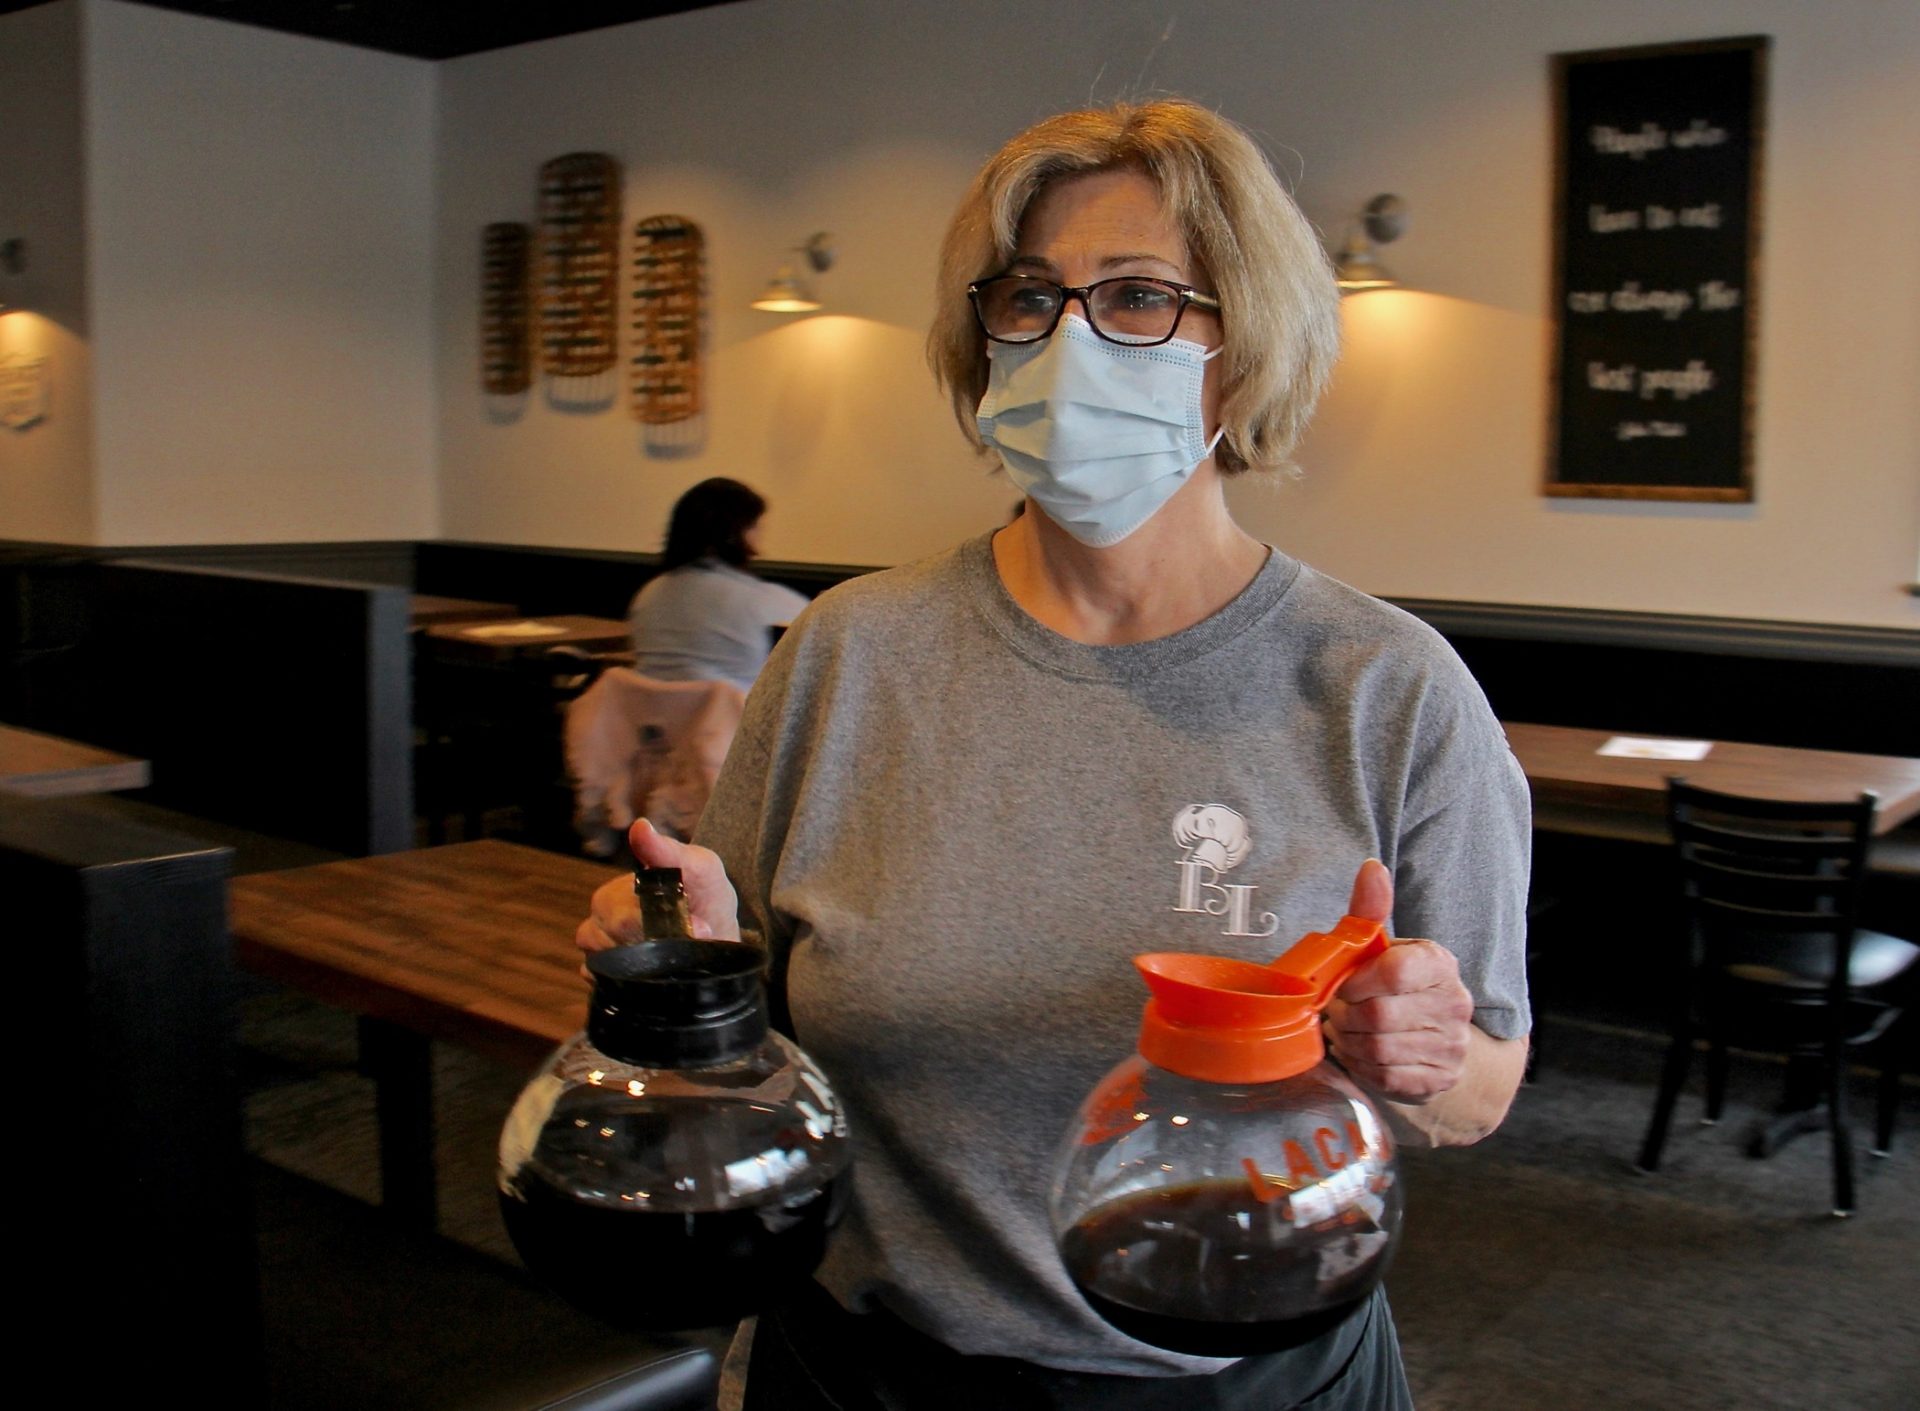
(598, 582)
(1806, 684)
(594, 582)
(1778, 683)
(388, 562)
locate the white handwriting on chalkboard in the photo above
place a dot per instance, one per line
(1630, 298)
(1634, 430)
(1700, 133)
(1650, 137)
(1679, 382)
(1636, 145)
(1714, 296)
(1602, 221)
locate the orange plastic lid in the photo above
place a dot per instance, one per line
(1232, 1021)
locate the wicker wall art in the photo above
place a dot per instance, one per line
(669, 283)
(506, 312)
(579, 263)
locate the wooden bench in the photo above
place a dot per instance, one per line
(269, 702)
(129, 1104)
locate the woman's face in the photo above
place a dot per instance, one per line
(1080, 229)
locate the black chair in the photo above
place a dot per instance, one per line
(493, 742)
(1540, 906)
(1777, 960)
(679, 1381)
(551, 681)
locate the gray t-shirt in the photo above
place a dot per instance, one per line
(707, 621)
(959, 827)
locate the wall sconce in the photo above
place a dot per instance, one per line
(1381, 222)
(791, 292)
(13, 260)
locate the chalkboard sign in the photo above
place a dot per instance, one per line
(1656, 234)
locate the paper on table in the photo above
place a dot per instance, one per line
(1633, 747)
(515, 629)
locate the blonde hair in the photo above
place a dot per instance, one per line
(1280, 306)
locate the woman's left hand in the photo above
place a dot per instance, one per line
(1401, 1023)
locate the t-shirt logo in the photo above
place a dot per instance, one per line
(1215, 840)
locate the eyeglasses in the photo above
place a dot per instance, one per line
(1014, 308)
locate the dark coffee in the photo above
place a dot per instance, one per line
(662, 1270)
(1210, 1268)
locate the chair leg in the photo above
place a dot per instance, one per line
(1716, 1079)
(1672, 1078)
(1837, 1125)
(1887, 1102)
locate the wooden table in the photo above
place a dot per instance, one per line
(504, 640)
(472, 944)
(430, 610)
(1576, 789)
(44, 766)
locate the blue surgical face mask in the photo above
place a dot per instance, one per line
(1101, 435)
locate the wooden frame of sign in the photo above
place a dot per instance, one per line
(506, 308)
(579, 263)
(1656, 239)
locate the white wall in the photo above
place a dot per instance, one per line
(764, 122)
(261, 211)
(769, 120)
(46, 470)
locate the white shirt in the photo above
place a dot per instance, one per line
(708, 621)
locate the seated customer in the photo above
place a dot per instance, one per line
(705, 617)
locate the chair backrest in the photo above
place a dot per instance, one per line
(640, 747)
(1756, 868)
(568, 671)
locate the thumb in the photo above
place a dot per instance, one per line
(652, 848)
(1372, 898)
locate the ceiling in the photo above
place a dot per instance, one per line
(429, 29)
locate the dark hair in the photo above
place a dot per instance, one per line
(711, 521)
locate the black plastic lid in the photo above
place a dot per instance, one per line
(677, 1003)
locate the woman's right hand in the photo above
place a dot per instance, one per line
(711, 900)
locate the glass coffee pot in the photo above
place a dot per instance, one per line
(679, 1164)
(1226, 1190)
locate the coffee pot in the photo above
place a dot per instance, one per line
(1228, 1190)
(678, 1164)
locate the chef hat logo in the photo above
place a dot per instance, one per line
(1212, 834)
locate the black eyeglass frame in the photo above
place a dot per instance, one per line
(1189, 297)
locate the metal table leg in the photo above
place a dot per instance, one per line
(400, 1062)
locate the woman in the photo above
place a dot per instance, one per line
(968, 790)
(705, 617)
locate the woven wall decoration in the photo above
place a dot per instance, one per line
(669, 283)
(579, 263)
(506, 308)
